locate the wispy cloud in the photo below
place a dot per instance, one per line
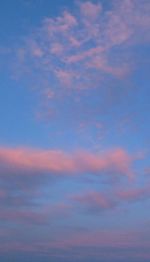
(94, 202)
(134, 194)
(90, 48)
(85, 40)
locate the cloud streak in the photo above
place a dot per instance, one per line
(116, 161)
(94, 202)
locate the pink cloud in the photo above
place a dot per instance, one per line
(90, 10)
(72, 39)
(95, 201)
(62, 24)
(38, 215)
(134, 194)
(87, 54)
(118, 239)
(65, 77)
(69, 19)
(23, 216)
(112, 159)
(79, 50)
(72, 36)
(57, 49)
(105, 243)
(116, 161)
(118, 243)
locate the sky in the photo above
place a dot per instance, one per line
(74, 130)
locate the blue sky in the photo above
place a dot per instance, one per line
(74, 133)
